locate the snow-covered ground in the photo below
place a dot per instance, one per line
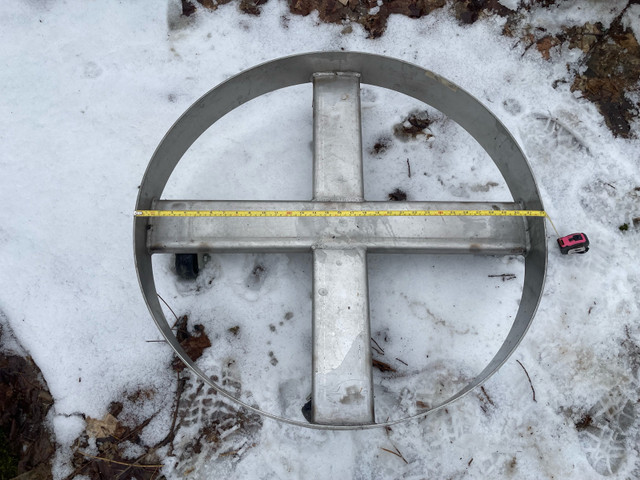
(89, 89)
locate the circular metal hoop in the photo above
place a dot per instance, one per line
(379, 71)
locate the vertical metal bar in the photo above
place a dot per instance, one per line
(337, 138)
(342, 384)
(342, 379)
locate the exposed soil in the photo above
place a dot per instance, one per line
(585, 422)
(398, 195)
(111, 437)
(611, 55)
(612, 58)
(371, 14)
(381, 146)
(114, 437)
(415, 125)
(26, 446)
(103, 450)
(613, 70)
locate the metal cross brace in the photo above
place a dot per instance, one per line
(342, 387)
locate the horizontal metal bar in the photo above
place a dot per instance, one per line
(455, 234)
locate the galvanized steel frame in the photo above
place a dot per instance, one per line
(376, 70)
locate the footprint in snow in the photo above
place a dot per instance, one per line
(605, 432)
(551, 138)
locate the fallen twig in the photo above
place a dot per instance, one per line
(238, 451)
(382, 366)
(380, 349)
(231, 452)
(527, 48)
(409, 167)
(504, 276)
(487, 395)
(402, 361)
(139, 428)
(529, 378)
(174, 313)
(129, 465)
(170, 436)
(172, 433)
(396, 453)
(78, 470)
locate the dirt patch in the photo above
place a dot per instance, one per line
(381, 146)
(612, 55)
(371, 14)
(112, 438)
(104, 450)
(25, 440)
(251, 6)
(613, 71)
(204, 426)
(414, 126)
(468, 11)
(585, 422)
(398, 195)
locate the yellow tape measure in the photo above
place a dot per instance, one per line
(340, 213)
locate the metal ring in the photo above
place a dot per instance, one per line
(376, 70)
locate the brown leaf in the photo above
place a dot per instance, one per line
(194, 346)
(545, 44)
(106, 427)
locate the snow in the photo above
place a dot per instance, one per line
(574, 12)
(90, 88)
(511, 4)
(632, 19)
